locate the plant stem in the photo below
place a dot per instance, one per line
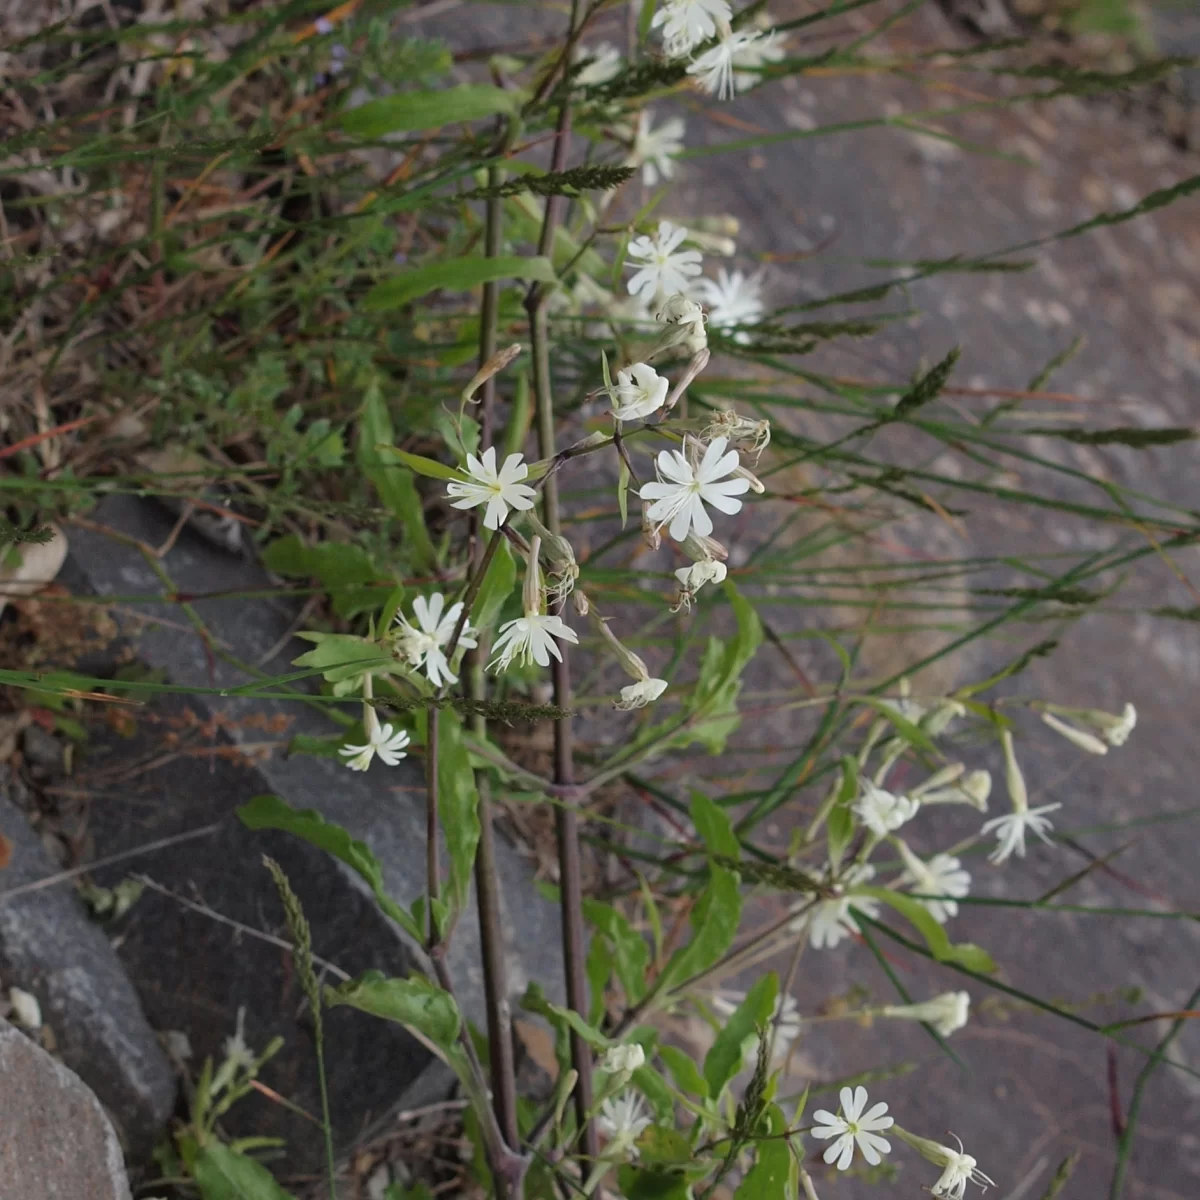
(487, 892)
(567, 817)
(432, 881)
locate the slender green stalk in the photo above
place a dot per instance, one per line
(432, 867)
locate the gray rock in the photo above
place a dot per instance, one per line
(57, 1143)
(43, 751)
(49, 947)
(192, 974)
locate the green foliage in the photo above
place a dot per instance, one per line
(724, 1058)
(415, 1003)
(572, 182)
(935, 936)
(458, 806)
(223, 1174)
(457, 275)
(773, 1176)
(410, 111)
(342, 570)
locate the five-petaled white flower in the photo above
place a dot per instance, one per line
(381, 740)
(682, 489)
(831, 920)
(943, 876)
(424, 644)
(531, 637)
(883, 812)
(499, 489)
(640, 392)
(947, 1013)
(733, 299)
(623, 1059)
(1010, 831)
(621, 1119)
(605, 64)
(638, 695)
(654, 150)
(854, 1127)
(663, 267)
(687, 23)
(714, 69)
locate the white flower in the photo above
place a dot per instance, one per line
(621, 1119)
(974, 790)
(733, 299)
(605, 64)
(756, 54)
(854, 1126)
(1079, 737)
(1116, 733)
(947, 1013)
(26, 1011)
(654, 150)
(623, 1060)
(380, 740)
(638, 695)
(663, 266)
(682, 490)
(499, 490)
(958, 1167)
(531, 637)
(882, 812)
(713, 70)
(831, 920)
(693, 578)
(423, 644)
(640, 391)
(687, 23)
(942, 875)
(1010, 831)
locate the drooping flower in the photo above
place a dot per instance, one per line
(640, 391)
(687, 23)
(883, 812)
(654, 150)
(854, 1127)
(1078, 737)
(605, 64)
(708, 570)
(831, 920)
(714, 69)
(734, 299)
(663, 268)
(1010, 831)
(638, 695)
(622, 1119)
(499, 489)
(423, 644)
(1117, 729)
(1113, 730)
(685, 322)
(381, 740)
(531, 636)
(958, 1167)
(623, 1059)
(974, 789)
(682, 490)
(942, 876)
(947, 1013)
(748, 62)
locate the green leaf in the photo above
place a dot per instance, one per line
(662, 1144)
(773, 1175)
(408, 111)
(458, 805)
(631, 955)
(429, 467)
(396, 486)
(840, 826)
(535, 1001)
(972, 957)
(269, 812)
(455, 275)
(910, 732)
(415, 1003)
(341, 656)
(623, 492)
(718, 911)
(654, 1183)
(724, 1059)
(654, 1087)
(341, 567)
(687, 1076)
(497, 586)
(223, 1174)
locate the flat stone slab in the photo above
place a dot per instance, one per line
(191, 761)
(51, 949)
(55, 1141)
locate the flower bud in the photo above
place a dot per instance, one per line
(580, 601)
(1079, 737)
(531, 594)
(684, 320)
(947, 1013)
(563, 566)
(1014, 780)
(624, 1059)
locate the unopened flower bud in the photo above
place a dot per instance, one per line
(580, 601)
(1013, 778)
(531, 594)
(947, 1013)
(623, 1060)
(936, 722)
(756, 485)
